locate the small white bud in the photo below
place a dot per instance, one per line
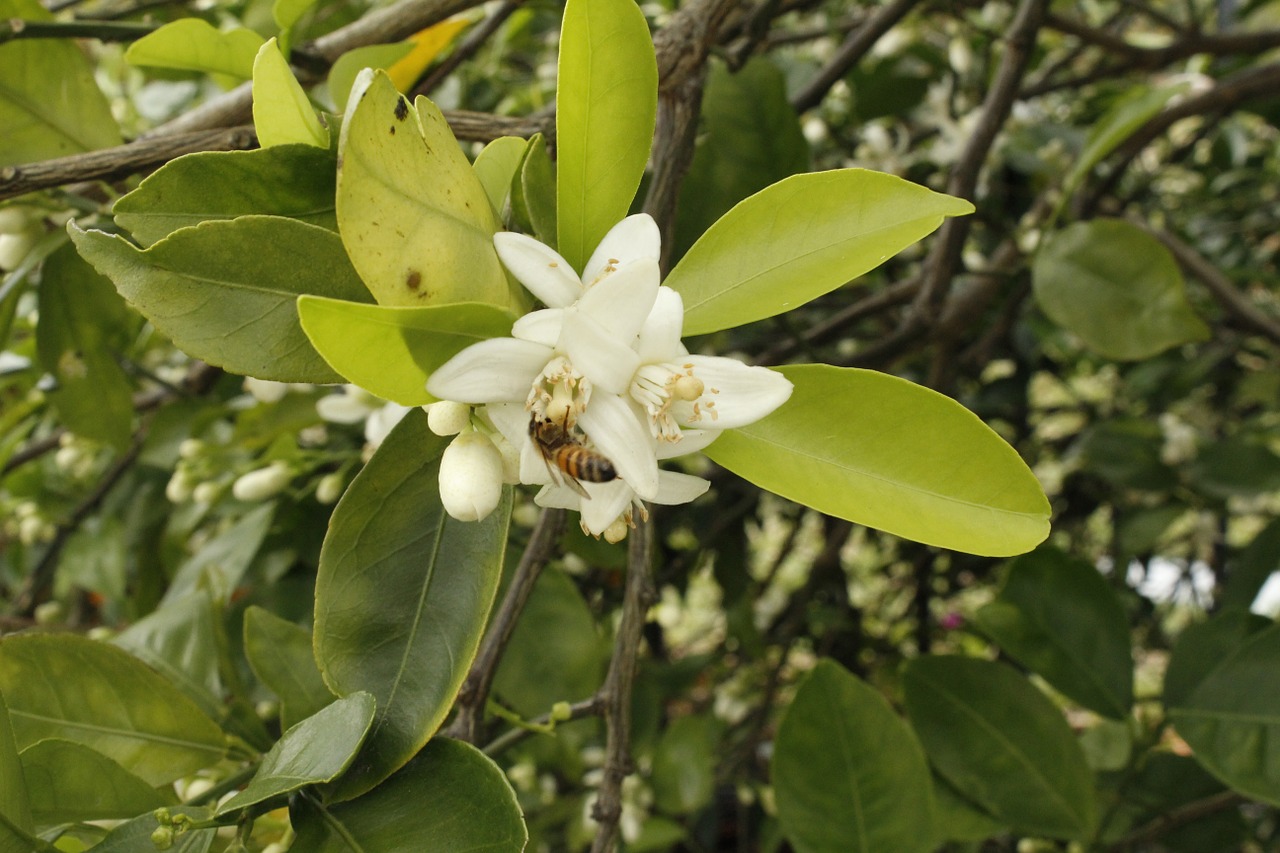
(179, 487)
(15, 218)
(207, 492)
(66, 457)
(100, 633)
(329, 489)
(342, 408)
(31, 530)
(265, 390)
(190, 448)
(470, 477)
(14, 247)
(263, 483)
(616, 531)
(447, 417)
(382, 421)
(48, 613)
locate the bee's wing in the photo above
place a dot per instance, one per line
(560, 478)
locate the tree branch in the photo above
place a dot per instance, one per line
(851, 52)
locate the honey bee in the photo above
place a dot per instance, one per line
(570, 462)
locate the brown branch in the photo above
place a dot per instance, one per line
(475, 689)
(868, 306)
(615, 695)
(1180, 816)
(851, 52)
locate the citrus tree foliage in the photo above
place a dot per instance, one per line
(900, 382)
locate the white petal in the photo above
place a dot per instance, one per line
(510, 419)
(382, 421)
(534, 467)
(539, 268)
(735, 394)
(606, 503)
(597, 353)
(541, 327)
(660, 334)
(619, 431)
(631, 239)
(499, 370)
(560, 497)
(622, 301)
(691, 441)
(677, 488)
(342, 409)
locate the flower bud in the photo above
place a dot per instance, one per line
(381, 421)
(207, 492)
(265, 390)
(179, 487)
(162, 837)
(329, 489)
(49, 613)
(470, 477)
(190, 448)
(447, 417)
(263, 483)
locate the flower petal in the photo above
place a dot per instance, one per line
(633, 238)
(541, 327)
(660, 334)
(499, 370)
(597, 353)
(606, 503)
(735, 394)
(539, 268)
(677, 488)
(622, 301)
(618, 430)
(691, 441)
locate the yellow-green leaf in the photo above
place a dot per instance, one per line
(193, 44)
(281, 112)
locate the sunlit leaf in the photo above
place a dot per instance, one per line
(881, 451)
(798, 239)
(460, 801)
(342, 76)
(315, 750)
(1057, 616)
(999, 740)
(226, 291)
(402, 595)
(496, 166)
(606, 102)
(414, 217)
(426, 46)
(390, 351)
(70, 782)
(65, 686)
(50, 105)
(296, 181)
(849, 775)
(533, 196)
(286, 13)
(1116, 287)
(193, 44)
(282, 115)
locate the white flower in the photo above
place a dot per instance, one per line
(603, 369)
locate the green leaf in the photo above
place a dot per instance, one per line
(279, 653)
(342, 76)
(881, 451)
(449, 798)
(282, 115)
(177, 640)
(1125, 116)
(1201, 648)
(286, 13)
(1236, 466)
(315, 750)
(221, 561)
(1126, 451)
(83, 331)
(70, 782)
(1057, 616)
(533, 196)
(992, 735)
(413, 215)
(959, 819)
(496, 166)
(226, 291)
(1116, 287)
(50, 105)
(390, 351)
(135, 836)
(684, 765)
(848, 774)
(749, 138)
(64, 686)
(193, 44)
(15, 806)
(295, 181)
(1248, 570)
(798, 239)
(402, 596)
(606, 105)
(556, 652)
(1231, 720)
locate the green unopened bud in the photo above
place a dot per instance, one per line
(561, 711)
(162, 837)
(470, 477)
(263, 483)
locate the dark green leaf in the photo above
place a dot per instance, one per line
(70, 782)
(64, 686)
(15, 806)
(449, 798)
(1127, 453)
(1202, 648)
(959, 819)
(1057, 616)
(848, 774)
(294, 181)
(1236, 466)
(135, 835)
(402, 596)
(1248, 570)
(992, 735)
(315, 750)
(220, 563)
(279, 653)
(684, 765)
(225, 291)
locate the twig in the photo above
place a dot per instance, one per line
(616, 692)
(1175, 818)
(467, 47)
(868, 306)
(475, 689)
(516, 734)
(18, 28)
(851, 52)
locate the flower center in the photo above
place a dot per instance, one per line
(658, 387)
(559, 393)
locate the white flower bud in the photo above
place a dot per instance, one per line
(30, 530)
(382, 421)
(265, 390)
(15, 218)
(179, 487)
(470, 477)
(329, 489)
(49, 613)
(207, 492)
(190, 448)
(447, 417)
(263, 483)
(14, 247)
(616, 531)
